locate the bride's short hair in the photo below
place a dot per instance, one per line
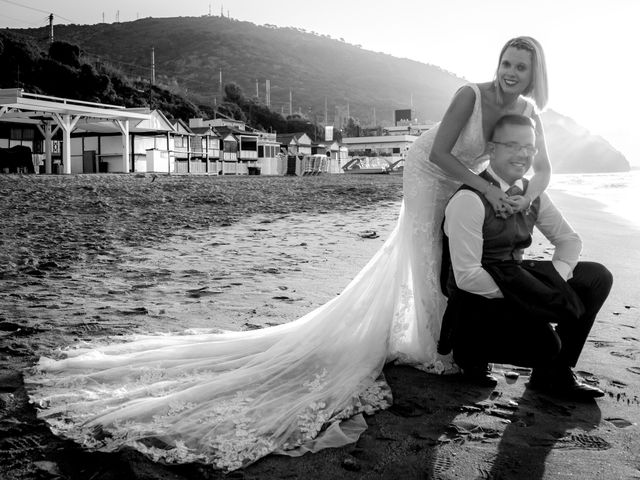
(538, 89)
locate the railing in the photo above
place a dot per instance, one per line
(248, 155)
(37, 96)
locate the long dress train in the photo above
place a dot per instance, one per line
(229, 399)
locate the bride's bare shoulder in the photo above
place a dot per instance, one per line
(488, 90)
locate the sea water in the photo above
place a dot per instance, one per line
(618, 192)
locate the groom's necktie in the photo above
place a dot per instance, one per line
(514, 190)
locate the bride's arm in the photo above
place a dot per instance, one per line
(541, 169)
(453, 122)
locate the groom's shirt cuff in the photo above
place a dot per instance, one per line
(464, 219)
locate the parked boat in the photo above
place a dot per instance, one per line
(361, 165)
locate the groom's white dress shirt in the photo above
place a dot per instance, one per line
(464, 219)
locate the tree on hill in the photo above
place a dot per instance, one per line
(62, 72)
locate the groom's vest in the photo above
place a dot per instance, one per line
(505, 238)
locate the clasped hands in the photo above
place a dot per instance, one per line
(505, 205)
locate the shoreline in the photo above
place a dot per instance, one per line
(438, 427)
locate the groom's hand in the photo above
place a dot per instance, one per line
(519, 203)
(499, 201)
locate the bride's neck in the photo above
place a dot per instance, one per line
(509, 101)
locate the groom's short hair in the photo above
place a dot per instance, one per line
(512, 119)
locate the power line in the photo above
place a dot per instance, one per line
(32, 24)
(37, 10)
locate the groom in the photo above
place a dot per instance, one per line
(504, 309)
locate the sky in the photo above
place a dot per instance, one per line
(591, 46)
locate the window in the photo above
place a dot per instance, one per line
(22, 134)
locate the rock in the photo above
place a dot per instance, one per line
(49, 467)
(351, 464)
(369, 234)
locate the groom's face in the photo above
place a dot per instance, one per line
(509, 157)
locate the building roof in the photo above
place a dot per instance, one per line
(224, 130)
(209, 131)
(299, 138)
(18, 106)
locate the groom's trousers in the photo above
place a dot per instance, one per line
(500, 331)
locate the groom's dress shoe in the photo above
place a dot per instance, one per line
(563, 383)
(479, 375)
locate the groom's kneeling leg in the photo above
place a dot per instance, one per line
(592, 282)
(493, 331)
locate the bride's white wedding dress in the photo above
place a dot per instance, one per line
(229, 399)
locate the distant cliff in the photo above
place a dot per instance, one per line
(574, 150)
(318, 70)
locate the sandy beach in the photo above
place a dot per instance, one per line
(88, 257)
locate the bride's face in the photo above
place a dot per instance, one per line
(515, 71)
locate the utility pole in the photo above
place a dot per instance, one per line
(267, 87)
(290, 102)
(220, 86)
(102, 17)
(257, 91)
(375, 124)
(51, 28)
(153, 66)
(325, 111)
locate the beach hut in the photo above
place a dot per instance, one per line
(56, 117)
(96, 147)
(229, 153)
(295, 146)
(205, 151)
(270, 160)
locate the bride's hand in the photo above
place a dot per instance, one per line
(519, 203)
(499, 201)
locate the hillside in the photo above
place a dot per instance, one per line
(191, 51)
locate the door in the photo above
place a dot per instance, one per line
(89, 164)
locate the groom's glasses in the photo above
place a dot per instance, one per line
(515, 148)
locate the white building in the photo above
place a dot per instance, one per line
(392, 146)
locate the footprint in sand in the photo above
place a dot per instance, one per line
(618, 383)
(620, 354)
(619, 422)
(601, 343)
(440, 464)
(584, 442)
(635, 370)
(630, 339)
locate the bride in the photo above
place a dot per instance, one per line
(229, 399)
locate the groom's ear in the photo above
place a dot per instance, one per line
(491, 148)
